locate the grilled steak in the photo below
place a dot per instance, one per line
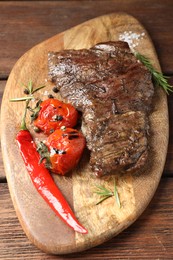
(114, 92)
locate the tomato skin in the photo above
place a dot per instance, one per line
(66, 147)
(53, 114)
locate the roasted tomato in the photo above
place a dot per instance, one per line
(53, 114)
(66, 146)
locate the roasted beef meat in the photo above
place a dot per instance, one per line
(114, 92)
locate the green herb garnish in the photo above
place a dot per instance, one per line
(29, 88)
(29, 91)
(35, 111)
(44, 154)
(20, 99)
(104, 193)
(158, 77)
(116, 195)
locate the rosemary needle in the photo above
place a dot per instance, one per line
(158, 77)
(116, 195)
(20, 99)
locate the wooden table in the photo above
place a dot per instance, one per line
(23, 24)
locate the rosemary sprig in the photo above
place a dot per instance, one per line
(29, 88)
(29, 91)
(158, 77)
(104, 193)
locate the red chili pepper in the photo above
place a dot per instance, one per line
(43, 181)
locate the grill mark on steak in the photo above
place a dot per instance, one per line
(114, 92)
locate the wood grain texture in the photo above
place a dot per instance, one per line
(151, 236)
(26, 23)
(2, 172)
(168, 170)
(107, 220)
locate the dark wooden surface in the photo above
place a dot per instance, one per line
(26, 23)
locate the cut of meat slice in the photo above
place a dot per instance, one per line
(108, 71)
(114, 92)
(118, 143)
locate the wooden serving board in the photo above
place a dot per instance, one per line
(105, 220)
